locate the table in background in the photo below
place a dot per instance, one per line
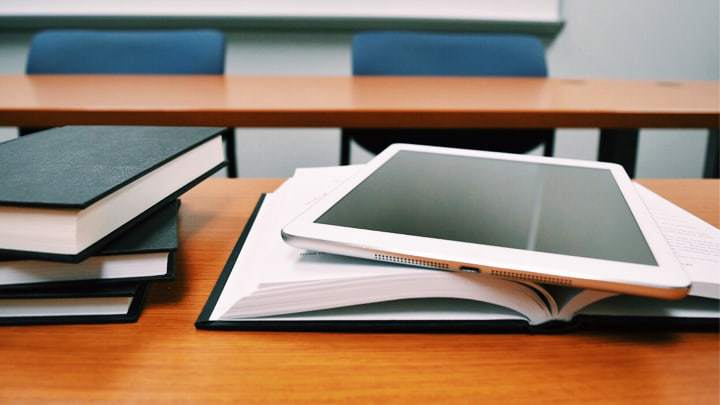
(618, 107)
(163, 357)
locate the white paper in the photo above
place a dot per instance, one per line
(36, 307)
(695, 243)
(268, 270)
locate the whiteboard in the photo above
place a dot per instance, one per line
(481, 10)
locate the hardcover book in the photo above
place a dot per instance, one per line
(80, 303)
(267, 284)
(146, 252)
(66, 192)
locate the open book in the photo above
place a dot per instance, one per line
(268, 284)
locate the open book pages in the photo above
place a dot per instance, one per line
(695, 243)
(272, 280)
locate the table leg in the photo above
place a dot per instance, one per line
(230, 153)
(711, 154)
(619, 146)
(344, 148)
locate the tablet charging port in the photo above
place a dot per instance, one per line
(469, 269)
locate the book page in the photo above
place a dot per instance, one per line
(695, 243)
(286, 279)
(80, 306)
(571, 300)
(240, 282)
(431, 309)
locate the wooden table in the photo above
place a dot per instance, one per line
(618, 107)
(163, 357)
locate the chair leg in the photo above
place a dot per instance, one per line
(711, 154)
(549, 147)
(230, 153)
(619, 146)
(344, 149)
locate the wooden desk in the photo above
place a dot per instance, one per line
(163, 357)
(618, 107)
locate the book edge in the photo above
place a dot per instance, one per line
(219, 286)
(168, 276)
(89, 202)
(97, 246)
(133, 314)
(107, 249)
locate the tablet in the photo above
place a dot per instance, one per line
(530, 218)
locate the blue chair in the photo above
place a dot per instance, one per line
(429, 54)
(185, 52)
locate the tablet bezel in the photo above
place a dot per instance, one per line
(666, 280)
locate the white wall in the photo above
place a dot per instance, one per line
(277, 152)
(639, 39)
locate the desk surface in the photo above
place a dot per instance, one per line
(163, 357)
(321, 101)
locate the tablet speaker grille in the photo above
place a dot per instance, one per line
(532, 277)
(414, 262)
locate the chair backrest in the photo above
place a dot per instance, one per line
(127, 52)
(388, 53)
(429, 54)
(182, 52)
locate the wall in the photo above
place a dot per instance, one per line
(640, 39)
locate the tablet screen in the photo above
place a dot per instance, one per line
(523, 205)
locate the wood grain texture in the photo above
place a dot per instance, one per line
(328, 101)
(164, 358)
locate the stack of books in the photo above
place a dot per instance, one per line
(89, 216)
(270, 285)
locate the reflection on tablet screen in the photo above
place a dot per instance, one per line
(534, 206)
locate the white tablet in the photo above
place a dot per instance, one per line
(548, 220)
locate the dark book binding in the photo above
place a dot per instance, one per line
(157, 233)
(449, 326)
(137, 290)
(75, 166)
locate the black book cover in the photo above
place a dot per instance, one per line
(498, 326)
(136, 290)
(127, 153)
(74, 166)
(158, 233)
